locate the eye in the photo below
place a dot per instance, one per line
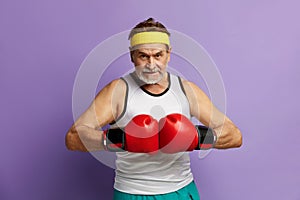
(143, 56)
(158, 55)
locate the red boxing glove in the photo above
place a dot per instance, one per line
(142, 134)
(177, 134)
(139, 136)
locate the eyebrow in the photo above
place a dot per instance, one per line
(141, 52)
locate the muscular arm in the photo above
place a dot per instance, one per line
(84, 134)
(229, 136)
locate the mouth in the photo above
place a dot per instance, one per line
(151, 73)
(155, 71)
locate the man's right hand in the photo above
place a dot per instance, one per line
(179, 134)
(139, 136)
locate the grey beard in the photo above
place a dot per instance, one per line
(149, 81)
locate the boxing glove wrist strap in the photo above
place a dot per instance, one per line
(114, 140)
(207, 138)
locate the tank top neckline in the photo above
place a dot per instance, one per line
(150, 93)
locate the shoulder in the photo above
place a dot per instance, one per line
(110, 99)
(117, 84)
(116, 88)
(189, 86)
(193, 91)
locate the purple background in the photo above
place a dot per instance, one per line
(255, 45)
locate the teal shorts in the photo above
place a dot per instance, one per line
(188, 192)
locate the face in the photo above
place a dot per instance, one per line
(150, 62)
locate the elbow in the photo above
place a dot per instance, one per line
(68, 142)
(239, 141)
(73, 142)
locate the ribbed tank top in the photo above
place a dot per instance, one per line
(142, 173)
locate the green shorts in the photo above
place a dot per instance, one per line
(188, 192)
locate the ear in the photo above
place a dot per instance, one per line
(169, 53)
(131, 56)
(131, 51)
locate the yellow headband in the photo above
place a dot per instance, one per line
(149, 38)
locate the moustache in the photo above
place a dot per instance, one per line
(155, 69)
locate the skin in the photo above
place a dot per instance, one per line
(84, 135)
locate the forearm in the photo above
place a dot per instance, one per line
(83, 138)
(228, 136)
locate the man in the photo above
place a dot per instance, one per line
(149, 111)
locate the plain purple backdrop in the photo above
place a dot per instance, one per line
(255, 45)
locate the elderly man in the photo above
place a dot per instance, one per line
(149, 112)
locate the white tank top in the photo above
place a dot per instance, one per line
(142, 173)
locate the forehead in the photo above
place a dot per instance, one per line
(149, 47)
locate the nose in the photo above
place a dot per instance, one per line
(151, 63)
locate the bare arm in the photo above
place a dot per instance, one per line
(229, 136)
(84, 134)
